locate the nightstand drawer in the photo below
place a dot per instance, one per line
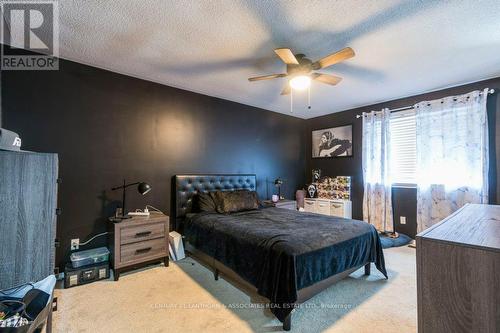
(143, 250)
(140, 233)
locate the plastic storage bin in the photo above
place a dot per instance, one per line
(89, 257)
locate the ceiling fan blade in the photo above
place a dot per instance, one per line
(334, 58)
(266, 77)
(326, 78)
(287, 89)
(286, 56)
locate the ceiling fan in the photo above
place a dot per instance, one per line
(300, 69)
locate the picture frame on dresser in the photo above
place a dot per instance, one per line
(332, 142)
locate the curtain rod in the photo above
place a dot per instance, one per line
(491, 91)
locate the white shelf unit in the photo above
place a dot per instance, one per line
(331, 207)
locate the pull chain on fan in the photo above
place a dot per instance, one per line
(308, 99)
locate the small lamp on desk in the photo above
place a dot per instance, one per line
(142, 188)
(278, 182)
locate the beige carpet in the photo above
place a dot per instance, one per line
(185, 298)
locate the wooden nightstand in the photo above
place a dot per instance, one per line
(138, 241)
(286, 204)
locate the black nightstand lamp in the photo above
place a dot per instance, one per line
(142, 188)
(278, 182)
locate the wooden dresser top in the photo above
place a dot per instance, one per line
(141, 220)
(472, 225)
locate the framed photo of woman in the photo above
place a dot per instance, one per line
(332, 142)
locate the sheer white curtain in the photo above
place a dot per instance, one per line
(452, 155)
(377, 202)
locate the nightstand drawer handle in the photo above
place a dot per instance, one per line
(143, 234)
(144, 250)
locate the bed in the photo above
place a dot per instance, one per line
(285, 256)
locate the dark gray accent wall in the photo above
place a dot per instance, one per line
(404, 199)
(106, 127)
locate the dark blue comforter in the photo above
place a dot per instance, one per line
(281, 251)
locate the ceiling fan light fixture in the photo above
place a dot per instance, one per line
(300, 82)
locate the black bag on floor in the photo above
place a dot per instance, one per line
(34, 307)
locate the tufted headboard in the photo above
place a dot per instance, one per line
(186, 186)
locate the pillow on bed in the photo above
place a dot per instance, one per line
(205, 202)
(235, 201)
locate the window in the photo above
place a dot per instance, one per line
(403, 148)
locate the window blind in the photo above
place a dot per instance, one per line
(403, 148)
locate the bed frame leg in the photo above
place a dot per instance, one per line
(287, 323)
(216, 274)
(367, 268)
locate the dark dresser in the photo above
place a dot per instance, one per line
(138, 241)
(458, 272)
(28, 205)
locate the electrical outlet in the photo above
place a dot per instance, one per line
(402, 219)
(75, 244)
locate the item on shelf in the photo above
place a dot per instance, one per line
(316, 175)
(334, 188)
(312, 191)
(89, 257)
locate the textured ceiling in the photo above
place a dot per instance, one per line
(211, 47)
